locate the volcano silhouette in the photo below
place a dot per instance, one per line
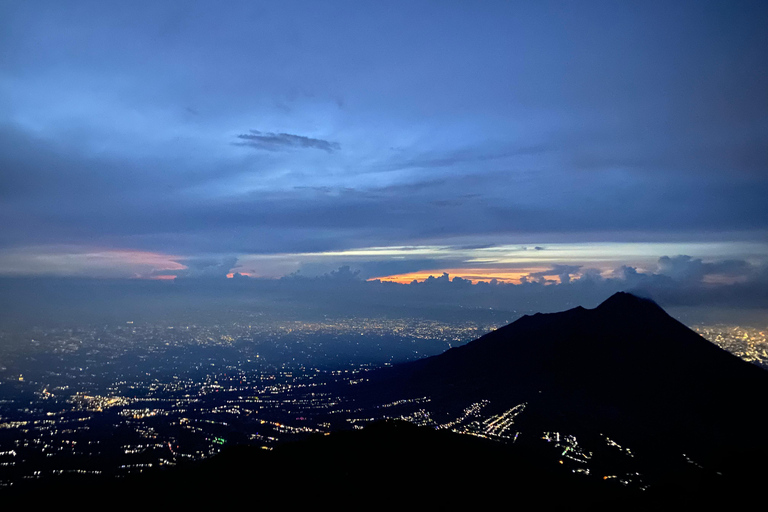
(625, 368)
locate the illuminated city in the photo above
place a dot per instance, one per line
(485, 242)
(120, 399)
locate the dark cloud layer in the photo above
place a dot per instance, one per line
(55, 194)
(278, 141)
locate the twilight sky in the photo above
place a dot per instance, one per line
(536, 140)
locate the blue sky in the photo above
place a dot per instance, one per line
(151, 139)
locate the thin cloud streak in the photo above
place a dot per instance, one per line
(278, 141)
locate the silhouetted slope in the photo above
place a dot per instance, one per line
(626, 368)
(387, 463)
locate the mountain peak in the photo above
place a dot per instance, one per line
(626, 299)
(625, 368)
(624, 302)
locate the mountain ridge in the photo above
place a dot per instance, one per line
(626, 368)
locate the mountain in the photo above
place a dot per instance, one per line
(625, 408)
(625, 369)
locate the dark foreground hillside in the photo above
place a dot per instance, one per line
(387, 463)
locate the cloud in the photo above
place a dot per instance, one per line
(477, 246)
(563, 272)
(472, 156)
(343, 273)
(207, 267)
(87, 262)
(271, 141)
(383, 267)
(660, 133)
(57, 193)
(343, 292)
(684, 268)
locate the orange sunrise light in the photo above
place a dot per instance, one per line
(472, 274)
(231, 275)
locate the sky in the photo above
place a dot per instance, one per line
(523, 141)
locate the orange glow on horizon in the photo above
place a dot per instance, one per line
(231, 275)
(158, 260)
(101, 262)
(475, 275)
